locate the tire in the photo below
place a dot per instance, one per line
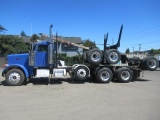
(150, 63)
(84, 56)
(112, 56)
(104, 75)
(124, 75)
(81, 73)
(15, 77)
(94, 56)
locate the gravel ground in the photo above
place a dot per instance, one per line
(64, 99)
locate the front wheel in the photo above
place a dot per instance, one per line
(15, 77)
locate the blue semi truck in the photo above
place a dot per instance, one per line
(42, 61)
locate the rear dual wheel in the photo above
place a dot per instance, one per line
(104, 75)
(124, 75)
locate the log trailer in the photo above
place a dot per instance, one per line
(42, 61)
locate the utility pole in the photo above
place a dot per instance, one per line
(133, 48)
(139, 47)
(94, 43)
(31, 28)
(112, 41)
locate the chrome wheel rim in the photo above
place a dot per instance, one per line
(152, 63)
(14, 77)
(105, 76)
(81, 73)
(113, 56)
(95, 56)
(125, 75)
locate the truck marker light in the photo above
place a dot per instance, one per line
(5, 65)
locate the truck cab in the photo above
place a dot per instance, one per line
(23, 66)
(42, 54)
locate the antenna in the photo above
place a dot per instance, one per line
(140, 47)
(31, 28)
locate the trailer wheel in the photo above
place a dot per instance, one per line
(113, 56)
(124, 75)
(150, 63)
(94, 56)
(104, 75)
(15, 77)
(81, 73)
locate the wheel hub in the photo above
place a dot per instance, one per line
(105, 76)
(125, 75)
(152, 63)
(113, 56)
(95, 56)
(14, 77)
(81, 73)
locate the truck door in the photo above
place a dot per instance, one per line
(41, 56)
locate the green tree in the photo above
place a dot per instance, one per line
(155, 51)
(23, 33)
(152, 51)
(11, 44)
(34, 37)
(127, 51)
(2, 29)
(89, 43)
